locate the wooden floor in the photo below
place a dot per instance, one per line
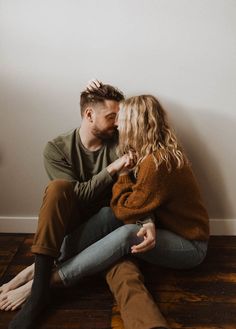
(202, 298)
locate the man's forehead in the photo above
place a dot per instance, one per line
(109, 106)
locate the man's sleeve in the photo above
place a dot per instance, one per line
(58, 167)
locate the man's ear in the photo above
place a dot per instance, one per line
(89, 114)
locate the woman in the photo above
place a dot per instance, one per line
(162, 186)
(158, 199)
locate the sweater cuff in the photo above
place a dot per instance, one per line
(145, 221)
(124, 179)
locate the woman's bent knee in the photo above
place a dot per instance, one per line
(201, 248)
(198, 255)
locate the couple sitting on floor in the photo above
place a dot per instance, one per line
(120, 185)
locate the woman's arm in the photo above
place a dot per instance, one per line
(135, 200)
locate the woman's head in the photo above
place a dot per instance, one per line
(143, 127)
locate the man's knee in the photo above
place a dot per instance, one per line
(59, 188)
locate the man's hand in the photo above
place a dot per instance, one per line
(148, 232)
(118, 164)
(123, 165)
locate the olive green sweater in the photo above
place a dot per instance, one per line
(173, 197)
(65, 157)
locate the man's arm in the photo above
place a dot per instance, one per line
(58, 167)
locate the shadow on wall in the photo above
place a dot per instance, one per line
(206, 138)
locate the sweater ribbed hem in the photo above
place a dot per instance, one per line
(124, 179)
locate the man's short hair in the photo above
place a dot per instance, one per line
(99, 95)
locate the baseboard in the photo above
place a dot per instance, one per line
(18, 224)
(29, 225)
(223, 226)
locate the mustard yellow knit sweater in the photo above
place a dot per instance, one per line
(173, 197)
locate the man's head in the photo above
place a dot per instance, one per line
(99, 108)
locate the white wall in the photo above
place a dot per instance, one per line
(184, 52)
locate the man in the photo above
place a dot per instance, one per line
(82, 165)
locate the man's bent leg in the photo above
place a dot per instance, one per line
(137, 307)
(54, 218)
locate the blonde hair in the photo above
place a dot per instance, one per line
(144, 128)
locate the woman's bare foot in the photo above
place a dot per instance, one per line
(13, 299)
(20, 279)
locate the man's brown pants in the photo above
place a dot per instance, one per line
(59, 215)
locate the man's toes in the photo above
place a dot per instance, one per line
(3, 307)
(14, 307)
(8, 306)
(17, 305)
(3, 301)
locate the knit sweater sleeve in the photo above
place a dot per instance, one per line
(132, 201)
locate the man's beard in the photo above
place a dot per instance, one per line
(104, 135)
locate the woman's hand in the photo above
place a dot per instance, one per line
(148, 232)
(93, 85)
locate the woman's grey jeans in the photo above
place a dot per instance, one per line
(97, 244)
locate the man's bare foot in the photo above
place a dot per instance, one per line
(13, 299)
(21, 278)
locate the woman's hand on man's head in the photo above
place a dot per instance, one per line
(93, 85)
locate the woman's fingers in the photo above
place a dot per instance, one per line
(143, 247)
(93, 85)
(142, 232)
(148, 242)
(131, 160)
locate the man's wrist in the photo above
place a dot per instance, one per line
(111, 170)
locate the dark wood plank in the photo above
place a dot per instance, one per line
(195, 314)
(220, 242)
(9, 245)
